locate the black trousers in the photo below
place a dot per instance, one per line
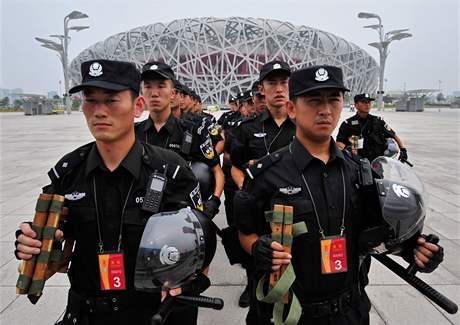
(138, 310)
(358, 314)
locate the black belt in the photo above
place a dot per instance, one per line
(110, 304)
(340, 304)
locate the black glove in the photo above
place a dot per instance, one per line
(262, 252)
(211, 206)
(437, 257)
(197, 285)
(402, 154)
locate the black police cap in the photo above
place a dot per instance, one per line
(108, 74)
(255, 88)
(363, 98)
(274, 66)
(315, 77)
(155, 69)
(247, 95)
(232, 99)
(179, 87)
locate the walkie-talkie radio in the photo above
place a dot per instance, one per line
(187, 142)
(154, 192)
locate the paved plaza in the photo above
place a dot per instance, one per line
(30, 145)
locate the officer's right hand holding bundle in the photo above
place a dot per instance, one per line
(269, 255)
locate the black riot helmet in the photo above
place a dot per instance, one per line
(391, 149)
(205, 177)
(174, 248)
(402, 203)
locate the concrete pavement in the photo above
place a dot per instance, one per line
(30, 145)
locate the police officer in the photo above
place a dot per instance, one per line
(271, 130)
(107, 216)
(162, 129)
(261, 135)
(370, 132)
(319, 181)
(247, 103)
(230, 114)
(258, 99)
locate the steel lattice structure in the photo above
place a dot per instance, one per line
(218, 57)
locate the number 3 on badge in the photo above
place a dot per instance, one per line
(333, 255)
(112, 271)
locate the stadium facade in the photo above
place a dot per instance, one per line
(218, 57)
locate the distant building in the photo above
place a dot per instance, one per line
(51, 94)
(220, 57)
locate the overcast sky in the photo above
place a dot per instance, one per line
(429, 57)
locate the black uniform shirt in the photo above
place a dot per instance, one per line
(171, 137)
(373, 129)
(259, 137)
(73, 177)
(279, 182)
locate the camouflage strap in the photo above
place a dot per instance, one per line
(39, 275)
(282, 287)
(26, 269)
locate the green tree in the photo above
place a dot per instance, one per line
(5, 102)
(440, 97)
(18, 103)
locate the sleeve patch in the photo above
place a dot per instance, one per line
(195, 197)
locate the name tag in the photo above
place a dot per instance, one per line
(360, 143)
(112, 271)
(333, 255)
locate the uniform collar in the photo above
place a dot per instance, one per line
(169, 125)
(267, 115)
(302, 157)
(132, 162)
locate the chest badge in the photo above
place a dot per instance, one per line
(74, 196)
(290, 190)
(354, 122)
(260, 135)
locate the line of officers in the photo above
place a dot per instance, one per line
(277, 148)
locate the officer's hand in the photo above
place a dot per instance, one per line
(279, 256)
(26, 244)
(402, 154)
(268, 255)
(211, 207)
(427, 255)
(172, 293)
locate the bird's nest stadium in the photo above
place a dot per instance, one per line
(218, 57)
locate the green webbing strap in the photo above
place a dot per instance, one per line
(56, 255)
(48, 232)
(281, 287)
(295, 312)
(299, 228)
(276, 294)
(38, 230)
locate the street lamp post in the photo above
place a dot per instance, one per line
(62, 49)
(382, 46)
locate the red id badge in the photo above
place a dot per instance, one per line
(333, 255)
(112, 271)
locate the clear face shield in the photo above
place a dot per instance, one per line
(175, 246)
(401, 195)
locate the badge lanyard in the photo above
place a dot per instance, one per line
(333, 248)
(321, 230)
(101, 243)
(274, 139)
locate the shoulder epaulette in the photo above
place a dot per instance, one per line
(258, 166)
(157, 159)
(69, 162)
